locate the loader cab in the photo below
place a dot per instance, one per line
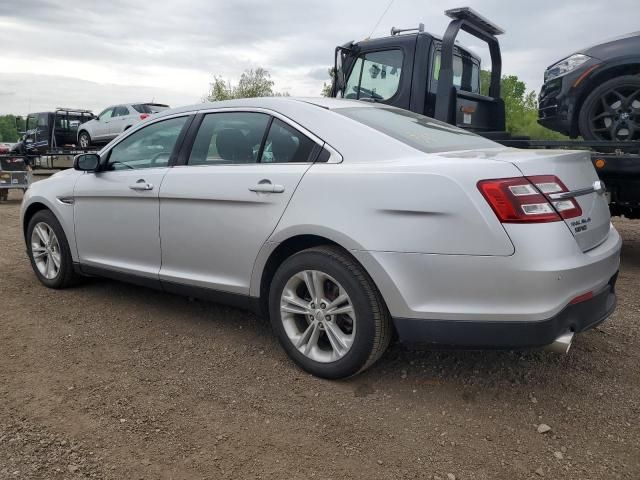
(421, 72)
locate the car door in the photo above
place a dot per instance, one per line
(100, 130)
(116, 210)
(118, 121)
(219, 208)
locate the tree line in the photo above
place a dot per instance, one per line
(8, 130)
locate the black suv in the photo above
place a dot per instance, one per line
(595, 92)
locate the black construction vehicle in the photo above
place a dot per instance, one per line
(436, 76)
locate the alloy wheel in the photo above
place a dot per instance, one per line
(616, 116)
(318, 316)
(45, 250)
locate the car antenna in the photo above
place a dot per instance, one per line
(380, 19)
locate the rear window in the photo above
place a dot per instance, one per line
(417, 131)
(149, 107)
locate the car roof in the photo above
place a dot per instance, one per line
(269, 103)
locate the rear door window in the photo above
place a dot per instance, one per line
(229, 138)
(375, 75)
(284, 144)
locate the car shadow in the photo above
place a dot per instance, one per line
(401, 370)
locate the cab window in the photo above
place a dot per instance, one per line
(149, 147)
(375, 75)
(466, 72)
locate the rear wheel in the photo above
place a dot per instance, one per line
(84, 140)
(327, 313)
(49, 252)
(612, 111)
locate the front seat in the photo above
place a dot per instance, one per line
(232, 145)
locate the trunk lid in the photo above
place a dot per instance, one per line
(575, 170)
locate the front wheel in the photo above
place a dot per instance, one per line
(84, 140)
(612, 111)
(49, 251)
(327, 313)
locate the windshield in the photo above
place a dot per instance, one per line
(417, 131)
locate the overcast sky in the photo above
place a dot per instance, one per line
(91, 54)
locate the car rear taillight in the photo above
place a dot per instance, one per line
(528, 199)
(143, 116)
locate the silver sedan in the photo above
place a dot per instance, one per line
(348, 224)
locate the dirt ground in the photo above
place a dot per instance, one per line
(114, 381)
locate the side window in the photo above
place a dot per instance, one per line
(229, 138)
(376, 75)
(121, 111)
(149, 147)
(32, 122)
(106, 115)
(285, 144)
(351, 90)
(465, 73)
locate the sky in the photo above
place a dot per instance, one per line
(96, 53)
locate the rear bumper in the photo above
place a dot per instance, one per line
(510, 334)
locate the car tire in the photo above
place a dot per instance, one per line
(338, 344)
(52, 264)
(84, 139)
(594, 121)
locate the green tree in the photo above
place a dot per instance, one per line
(521, 107)
(326, 87)
(8, 130)
(252, 83)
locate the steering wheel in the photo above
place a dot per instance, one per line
(368, 92)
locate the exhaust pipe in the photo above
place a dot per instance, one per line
(562, 344)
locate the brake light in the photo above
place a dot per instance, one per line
(143, 116)
(527, 199)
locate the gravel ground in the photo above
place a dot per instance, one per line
(109, 380)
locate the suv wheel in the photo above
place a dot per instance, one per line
(84, 140)
(327, 313)
(612, 111)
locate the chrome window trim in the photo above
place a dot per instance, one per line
(334, 157)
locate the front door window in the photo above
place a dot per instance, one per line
(149, 147)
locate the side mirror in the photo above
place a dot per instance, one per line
(86, 162)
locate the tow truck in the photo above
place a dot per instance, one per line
(438, 77)
(49, 139)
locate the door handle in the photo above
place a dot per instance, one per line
(265, 186)
(141, 185)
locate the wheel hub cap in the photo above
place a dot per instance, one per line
(323, 334)
(45, 251)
